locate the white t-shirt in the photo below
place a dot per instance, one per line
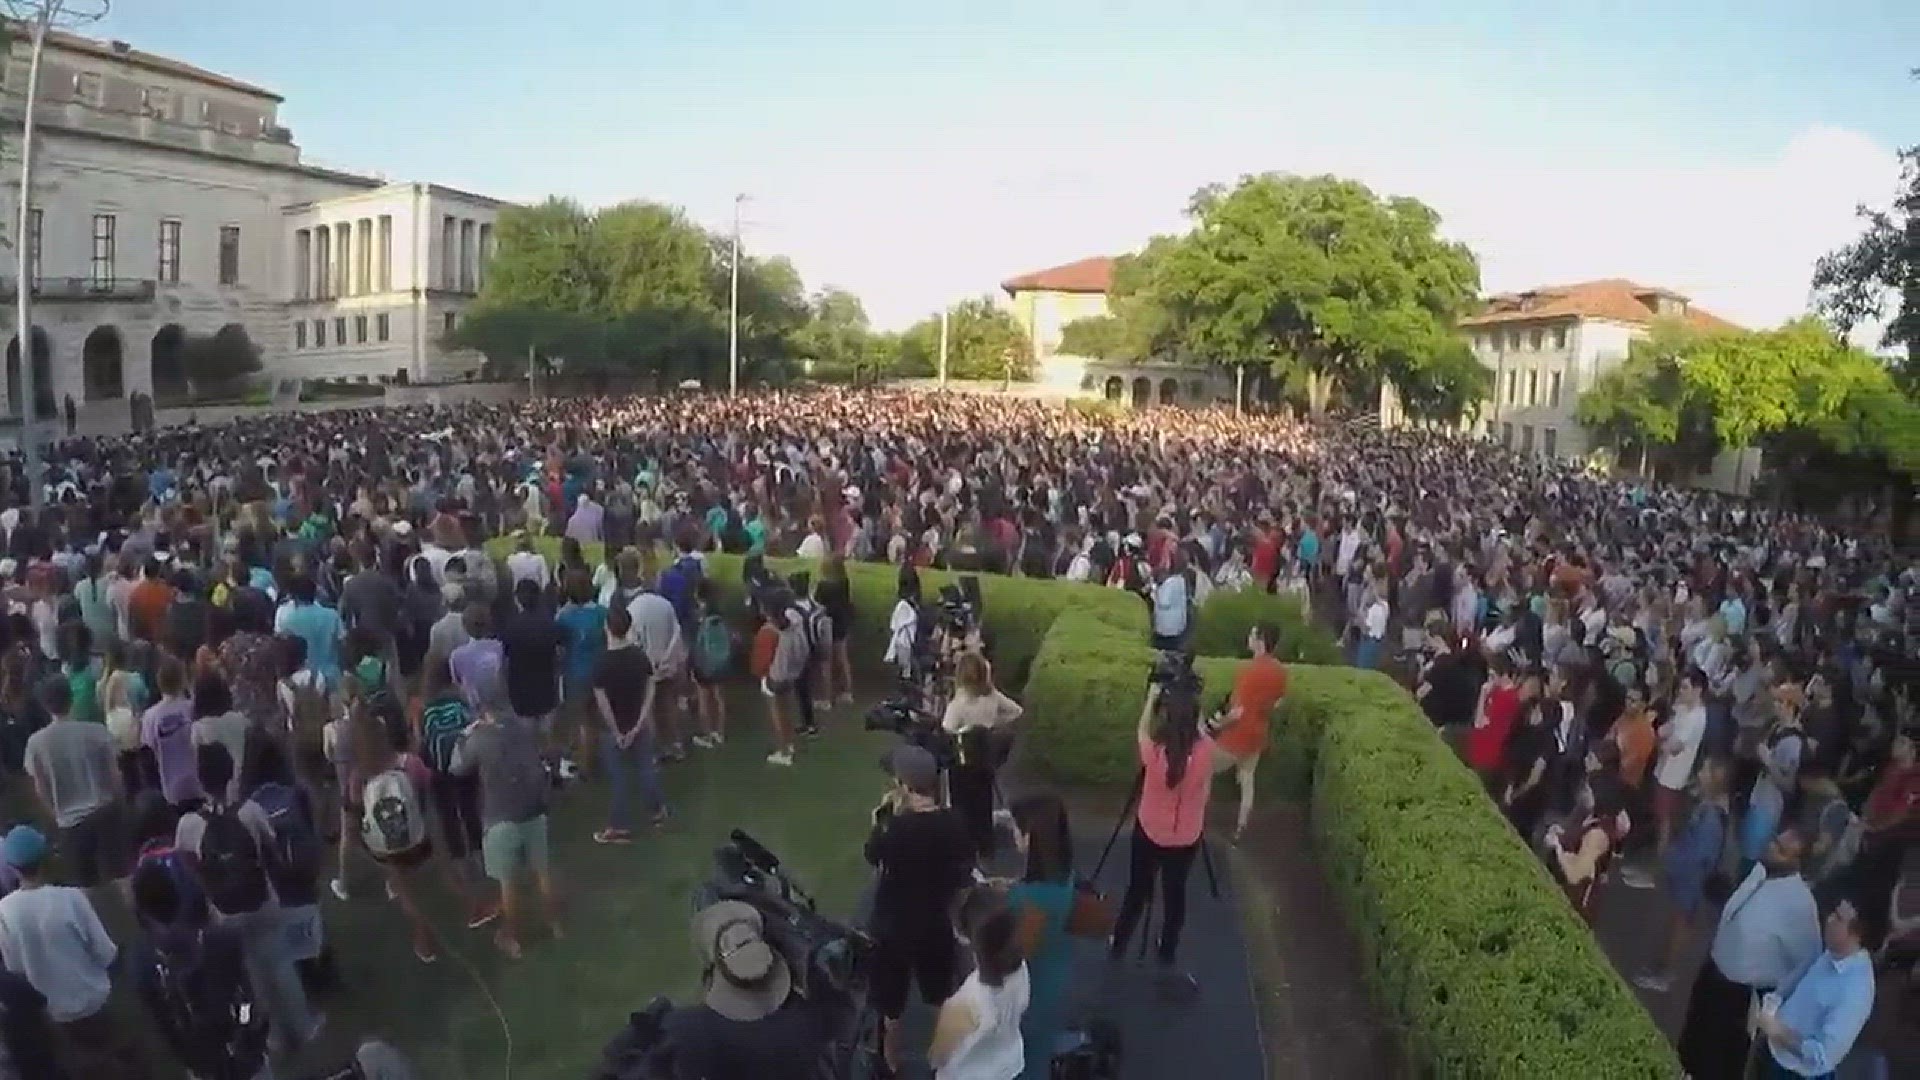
(1688, 727)
(51, 935)
(813, 547)
(528, 566)
(993, 1050)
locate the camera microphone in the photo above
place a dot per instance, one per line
(756, 852)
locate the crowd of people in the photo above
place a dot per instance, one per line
(249, 664)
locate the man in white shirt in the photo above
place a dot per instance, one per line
(1680, 739)
(526, 564)
(1170, 608)
(51, 936)
(1373, 632)
(656, 629)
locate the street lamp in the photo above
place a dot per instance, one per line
(38, 16)
(733, 316)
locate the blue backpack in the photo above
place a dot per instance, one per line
(293, 866)
(678, 583)
(713, 648)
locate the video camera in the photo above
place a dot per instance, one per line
(1173, 673)
(826, 957)
(905, 715)
(961, 606)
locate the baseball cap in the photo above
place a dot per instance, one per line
(24, 847)
(914, 766)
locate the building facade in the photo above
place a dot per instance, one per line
(167, 206)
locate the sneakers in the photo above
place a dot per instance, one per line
(568, 769)
(1635, 878)
(339, 887)
(1655, 984)
(823, 706)
(846, 699)
(673, 752)
(811, 731)
(483, 915)
(780, 757)
(705, 742)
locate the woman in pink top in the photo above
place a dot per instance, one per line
(1177, 756)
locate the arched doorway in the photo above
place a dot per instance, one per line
(102, 372)
(43, 395)
(1196, 392)
(1169, 391)
(1116, 388)
(1142, 392)
(169, 370)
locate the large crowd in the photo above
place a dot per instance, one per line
(248, 664)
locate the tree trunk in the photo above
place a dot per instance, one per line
(1319, 390)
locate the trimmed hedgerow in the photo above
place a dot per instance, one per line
(1464, 937)
(1221, 625)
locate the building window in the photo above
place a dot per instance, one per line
(1550, 441)
(229, 254)
(449, 321)
(86, 87)
(170, 251)
(157, 101)
(104, 228)
(302, 263)
(1553, 389)
(344, 276)
(359, 329)
(319, 333)
(300, 333)
(340, 329)
(449, 251)
(386, 252)
(1536, 339)
(1513, 387)
(468, 256)
(365, 268)
(380, 327)
(36, 231)
(1533, 388)
(1506, 436)
(1559, 337)
(1526, 439)
(323, 263)
(486, 253)
(1513, 341)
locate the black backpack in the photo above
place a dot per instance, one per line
(232, 866)
(221, 1030)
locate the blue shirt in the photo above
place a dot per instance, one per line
(1694, 853)
(1735, 613)
(583, 629)
(1826, 1003)
(1309, 548)
(320, 628)
(1170, 606)
(1769, 929)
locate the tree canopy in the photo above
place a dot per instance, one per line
(635, 289)
(1314, 276)
(1878, 275)
(984, 342)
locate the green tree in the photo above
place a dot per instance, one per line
(1451, 387)
(1878, 275)
(983, 343)
(1102, 337)
(543, 260)
(1311, 274)
(838, 338)
(223, 357)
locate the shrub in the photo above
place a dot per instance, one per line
(1223, 621)
(1464, 937)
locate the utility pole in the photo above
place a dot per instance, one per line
(1239, 387)
(530, 389)
(733, 318)
(943, 348)
(40, 16)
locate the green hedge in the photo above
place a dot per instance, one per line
(1465, 939)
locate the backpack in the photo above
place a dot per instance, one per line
(84, 687)
(678, 585)
(221, 1031)
(442, 722)
(178, 866)
(712, 648)
(392, 822)
(187, 624)
(233, 869)
(819, 627)
(521, 778)
(296, 857)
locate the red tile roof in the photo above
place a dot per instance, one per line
(1615, 299)
(1093, 275)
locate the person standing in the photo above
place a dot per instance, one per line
(1172, 605)
(319, 626)
(504, 750)
(978, 1033)
(1811, 1022)
(624, 692)
(1176, 758)
(976, 715)
(1769, 929)
(76, 773)
(582, 622)
(1044, 900)
(194, 979)
(1689, 864)
(1680, 739)
(1257, 687)
(51, 935)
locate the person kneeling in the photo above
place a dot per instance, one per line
(749, 1025)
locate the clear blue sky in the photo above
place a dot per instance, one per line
(1712, 146)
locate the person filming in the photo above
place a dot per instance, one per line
(1176, 756)
(977, 716)
(748, 1025)
(925, 859)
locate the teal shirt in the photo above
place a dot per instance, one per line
(756, 537)
(1049, 972)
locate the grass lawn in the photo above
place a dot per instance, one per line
(626, 912)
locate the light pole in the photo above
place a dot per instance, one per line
(39, 16)
(733, 317)
(943, 348)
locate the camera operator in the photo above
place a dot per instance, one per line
(977, 716)
(1176, 755)
(903, 626)
(925, 859)
(749, 1025)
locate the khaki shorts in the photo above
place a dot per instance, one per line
(513, 849)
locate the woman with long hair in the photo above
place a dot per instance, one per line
(835, 594)
(1043, 900)
(1176, 755)
(903, 626)
(978, 1034)
(977, 715)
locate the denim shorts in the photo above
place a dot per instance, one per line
(511, 849)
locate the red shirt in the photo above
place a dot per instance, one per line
(1487, 744)
(1894, 796)
(1266, 557)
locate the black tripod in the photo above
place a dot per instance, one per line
(1126, 815)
